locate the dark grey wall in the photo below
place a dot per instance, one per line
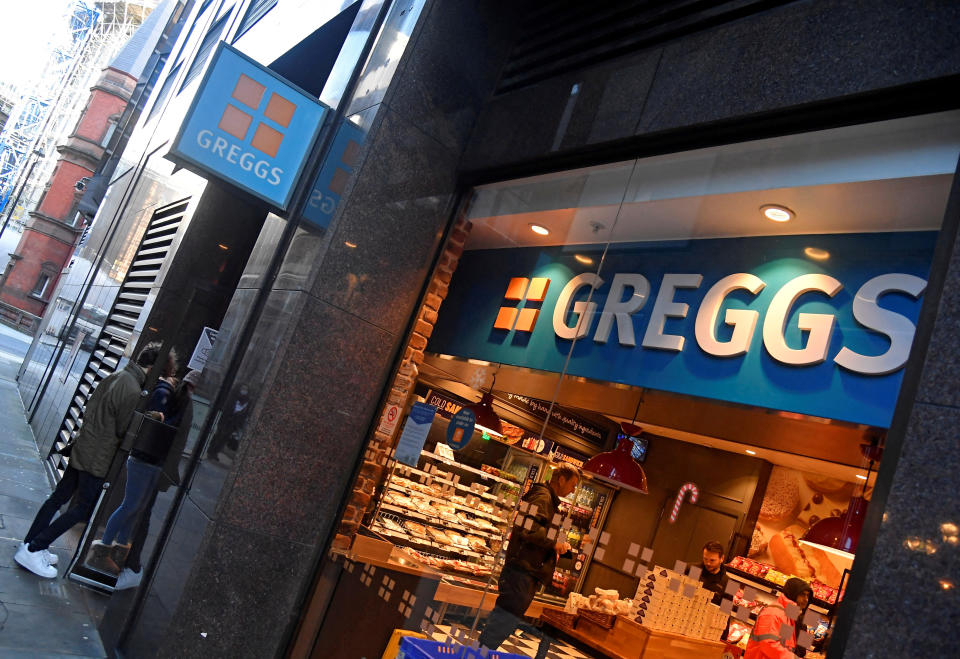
(785, 58)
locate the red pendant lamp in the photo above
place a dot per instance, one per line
(841, 535)
(617, 467)
(486, 418)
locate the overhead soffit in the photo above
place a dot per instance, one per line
(887, 176)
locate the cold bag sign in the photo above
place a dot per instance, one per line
(248, 127)
(744, 320)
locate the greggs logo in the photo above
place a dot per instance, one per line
(612, 314)
(524, 291)
(244, 120)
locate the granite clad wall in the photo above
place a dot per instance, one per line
(796, 54)
(908, 575)
(322, 353)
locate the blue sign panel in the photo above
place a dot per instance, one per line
(819, 325)
(333, 175)
(414, 434)
(460, 429)
(248, 127)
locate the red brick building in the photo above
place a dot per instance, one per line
(54, 226)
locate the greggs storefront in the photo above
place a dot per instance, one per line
(715, 340)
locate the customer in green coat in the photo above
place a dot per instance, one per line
(105, 421)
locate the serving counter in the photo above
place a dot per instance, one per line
(630, 640)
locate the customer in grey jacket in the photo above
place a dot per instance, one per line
(107, 415)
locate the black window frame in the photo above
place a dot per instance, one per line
(257, 10)
(164, 92)
(43, 280)
(209, 42)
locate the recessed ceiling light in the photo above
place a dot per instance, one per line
(540, 230)
(350, 244)
(861, 477)
(777, 213)
(586, 260)
(750, 452)
(222, 246)
(817, 253)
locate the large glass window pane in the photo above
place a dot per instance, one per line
(713, 339)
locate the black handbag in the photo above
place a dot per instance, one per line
(153, 439)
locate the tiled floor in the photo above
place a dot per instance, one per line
(38, 617)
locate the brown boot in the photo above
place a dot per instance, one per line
(118, 554)
(99, 559)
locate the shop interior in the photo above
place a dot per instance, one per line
(757, 495)
(783, 491)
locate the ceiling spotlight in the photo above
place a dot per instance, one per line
(816, 253)
(861, 477)
(586, 260)
(540, 230)
(223, 247)
(350, 244)
(777, 213)
(751, 452)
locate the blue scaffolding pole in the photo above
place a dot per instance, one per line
(31, 112)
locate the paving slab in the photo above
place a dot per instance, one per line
(43, 618)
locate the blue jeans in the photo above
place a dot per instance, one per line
(141, 482)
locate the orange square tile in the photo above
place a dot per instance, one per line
(267, 140)
(505, 318)
(338, 182)
(527, 319)
(235, 122)
(517, 288)
(249, 92)
(280, 110)
(351, 153)
(538, 289)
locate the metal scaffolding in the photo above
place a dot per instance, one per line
(45, 114)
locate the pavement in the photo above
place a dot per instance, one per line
(39, 618)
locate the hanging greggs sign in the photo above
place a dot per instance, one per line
(248, 127)
(753, 320)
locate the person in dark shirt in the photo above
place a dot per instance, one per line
(531, 558)
(713, 576)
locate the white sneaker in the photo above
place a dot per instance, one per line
(128, 579)
(48, 555)
(35, 561)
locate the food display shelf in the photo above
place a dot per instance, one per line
(403, 469)
(426, 542)
(436, 521)
(432, 497)
(772, 588)
(478, 472)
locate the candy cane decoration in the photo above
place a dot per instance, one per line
(694, 493)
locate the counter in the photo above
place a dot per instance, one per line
(630, 640)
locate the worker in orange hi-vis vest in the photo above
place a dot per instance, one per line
(775, 634)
